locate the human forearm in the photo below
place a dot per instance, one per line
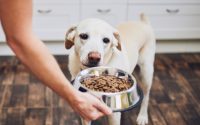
(34, 54)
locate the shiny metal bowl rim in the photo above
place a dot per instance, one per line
(133, 87)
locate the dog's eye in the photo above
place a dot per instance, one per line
(106, 40)
(84, 36)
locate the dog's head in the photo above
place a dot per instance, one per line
(93, 40)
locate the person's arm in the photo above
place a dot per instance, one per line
(16, 19)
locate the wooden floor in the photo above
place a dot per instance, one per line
(175, 95)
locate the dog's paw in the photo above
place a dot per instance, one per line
(142, 119)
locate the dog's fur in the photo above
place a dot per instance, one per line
(131, 43)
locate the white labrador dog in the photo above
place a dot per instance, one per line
(96, 43)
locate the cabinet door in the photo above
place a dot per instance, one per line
(52, 21)
(56, 1)
(112, 13)
(164, 1)
(104, 1)
(170, 21)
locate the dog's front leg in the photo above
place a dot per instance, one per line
(114, 119)
(147, 76)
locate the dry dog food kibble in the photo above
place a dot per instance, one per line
(106, 83)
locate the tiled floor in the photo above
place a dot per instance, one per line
(175, 95)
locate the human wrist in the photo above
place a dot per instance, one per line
(71, 94)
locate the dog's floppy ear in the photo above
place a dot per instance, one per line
(118, 40)
(69, 37)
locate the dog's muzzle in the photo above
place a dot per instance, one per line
(93, 59)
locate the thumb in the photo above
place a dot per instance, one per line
(103, 108)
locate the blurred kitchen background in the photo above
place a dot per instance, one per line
(176, 22)
(175, 95)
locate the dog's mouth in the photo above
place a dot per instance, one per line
(90, 65)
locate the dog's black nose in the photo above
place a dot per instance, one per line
(94, 58)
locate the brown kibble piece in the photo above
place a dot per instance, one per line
(106, 83)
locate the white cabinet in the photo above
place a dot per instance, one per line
(170, 19)
(52, 18)
(112, 13)
(104, 1)
(56, 1)
(51, 21)
(163, 2)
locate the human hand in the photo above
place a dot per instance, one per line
(88, 106)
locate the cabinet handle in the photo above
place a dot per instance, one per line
(105, 11)
(44, 11)
(170, 11)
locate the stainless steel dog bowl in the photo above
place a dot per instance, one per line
(119, 101)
